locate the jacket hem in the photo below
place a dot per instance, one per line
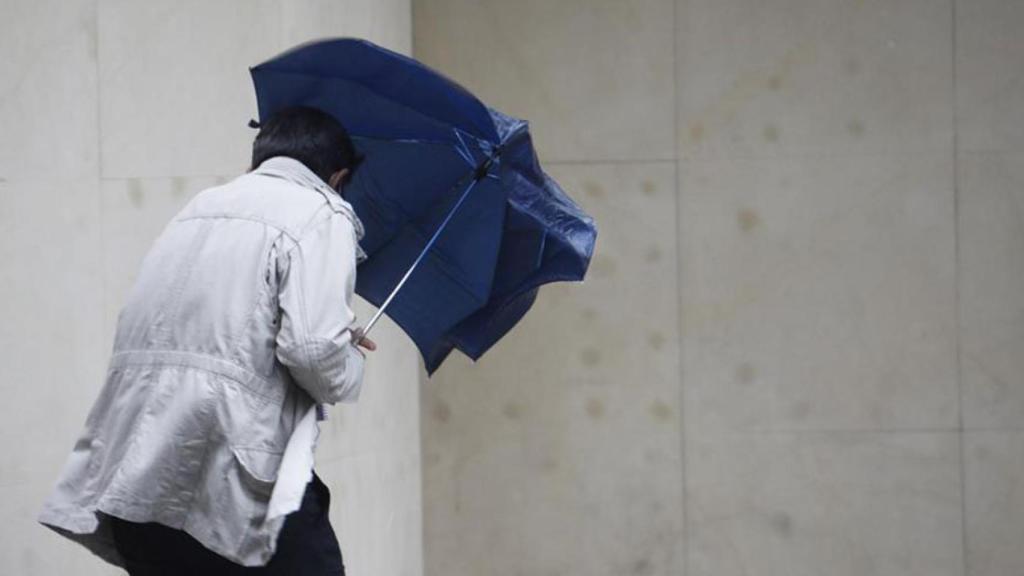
(88, 527)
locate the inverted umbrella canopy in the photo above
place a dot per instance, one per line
(462, 224)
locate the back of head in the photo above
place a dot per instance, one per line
(308, 135)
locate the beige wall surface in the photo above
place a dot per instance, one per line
(114, 113)
(799, 348)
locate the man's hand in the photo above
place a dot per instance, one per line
(360, 340)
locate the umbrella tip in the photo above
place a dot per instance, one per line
(253, 123)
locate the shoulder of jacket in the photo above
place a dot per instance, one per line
(334, 202)
(290, 204)
(280, 202)
(325, 215)
(315, 198)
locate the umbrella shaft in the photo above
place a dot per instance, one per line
(423, 253)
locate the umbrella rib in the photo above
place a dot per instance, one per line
(442, 122)
(419, 258)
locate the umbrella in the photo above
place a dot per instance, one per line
(462, 226)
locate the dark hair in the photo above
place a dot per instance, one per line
(310, 136)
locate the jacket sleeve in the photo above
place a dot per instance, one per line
(315, 293)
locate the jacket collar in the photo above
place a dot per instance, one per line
(297, 172)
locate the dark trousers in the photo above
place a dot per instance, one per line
(306, 545)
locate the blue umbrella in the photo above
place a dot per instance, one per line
(462, 225)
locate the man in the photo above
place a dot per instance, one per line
(197, 456)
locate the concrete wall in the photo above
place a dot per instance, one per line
(113, 114)
(800, 344)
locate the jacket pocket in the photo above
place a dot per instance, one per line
(258, 468)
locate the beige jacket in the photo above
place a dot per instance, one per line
(237, 325)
